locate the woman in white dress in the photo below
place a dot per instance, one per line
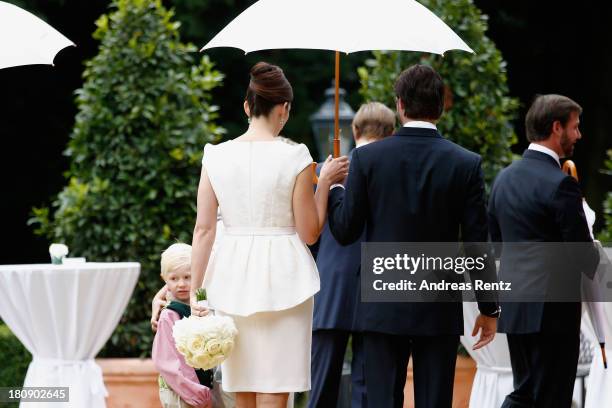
(262, 273)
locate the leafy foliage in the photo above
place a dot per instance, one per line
(480, 116)
(606, 233)
(15, 359)
(144, 115)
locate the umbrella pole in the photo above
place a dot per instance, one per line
(337, 109)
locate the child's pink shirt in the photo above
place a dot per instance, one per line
(172, 366)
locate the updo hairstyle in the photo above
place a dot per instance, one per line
(268, 87)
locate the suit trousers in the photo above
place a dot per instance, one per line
(544, 368)
(386, 363)
(328, 349)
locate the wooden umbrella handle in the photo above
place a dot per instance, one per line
(337, 109)
(336, 148)
(315, 179)
(569, 167)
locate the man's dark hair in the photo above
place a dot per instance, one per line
(421, 90)
(545, 111)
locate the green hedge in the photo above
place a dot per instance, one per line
(14, 357)
(144, 116)
(605, 235)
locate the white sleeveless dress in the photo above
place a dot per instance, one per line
(261, 273)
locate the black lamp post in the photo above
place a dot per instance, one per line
(323, 125)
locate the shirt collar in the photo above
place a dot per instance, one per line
(363, 143)
(545, 150)
(420, 124)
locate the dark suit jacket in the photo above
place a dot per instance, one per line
(339, 268)
(414, 186)
(533, 201)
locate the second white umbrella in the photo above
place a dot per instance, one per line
(26, 39)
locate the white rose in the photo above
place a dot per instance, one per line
(202, 361)
(181, 348)
(204, 341)
(58, 250)
(191, 362)
(227, 346)
(196, 345)
(213, 347)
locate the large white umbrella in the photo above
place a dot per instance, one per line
(26, 39)
(341, 26)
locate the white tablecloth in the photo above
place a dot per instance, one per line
(63, 315)
(493, 380)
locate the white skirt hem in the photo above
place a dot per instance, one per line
(272, 351)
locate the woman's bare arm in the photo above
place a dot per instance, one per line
(203, 237)
(310, 209)
(305, 210)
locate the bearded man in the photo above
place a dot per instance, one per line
(536, 210)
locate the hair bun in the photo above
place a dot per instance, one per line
(262, 68)
(267, 87)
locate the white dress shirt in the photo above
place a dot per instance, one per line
(545, 150)
(420, 124)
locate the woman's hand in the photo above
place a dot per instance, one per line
(334, 170)
(197, 310)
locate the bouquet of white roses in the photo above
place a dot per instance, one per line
(205, 341)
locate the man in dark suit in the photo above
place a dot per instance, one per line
(414, 186)
(533, 201)
(335, 305)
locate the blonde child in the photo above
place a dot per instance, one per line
(180, 386)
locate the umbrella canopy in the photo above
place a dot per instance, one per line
(339, 25)
(25, 39)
